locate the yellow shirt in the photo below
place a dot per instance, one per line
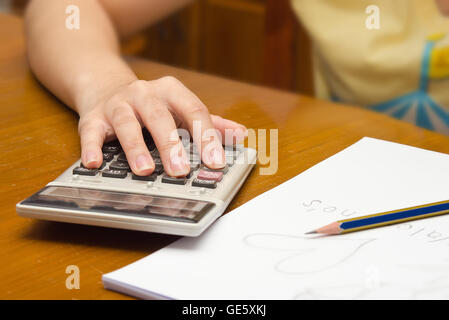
(401, 68)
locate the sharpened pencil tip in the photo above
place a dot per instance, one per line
(311, 232)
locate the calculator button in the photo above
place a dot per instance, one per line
(151, 177)
(173, 180)
(112, 147)
(103, 164)
(115, 165)
(210, 175)
(120, 174)
(84, 171)
(107, 157)
(204, 183)
(224, 170)
(122, 157)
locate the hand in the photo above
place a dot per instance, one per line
(161, 106)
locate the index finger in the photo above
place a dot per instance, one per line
(198, 120)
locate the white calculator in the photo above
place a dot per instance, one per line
(112, 196)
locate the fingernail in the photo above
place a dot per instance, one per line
(143, 162)
(179, 165)
(91, 158)
(216, 157)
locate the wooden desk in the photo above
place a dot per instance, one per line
(39, 140)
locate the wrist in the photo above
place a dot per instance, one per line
(93, 87)
(98, 93)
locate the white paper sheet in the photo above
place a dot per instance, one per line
(259, 251)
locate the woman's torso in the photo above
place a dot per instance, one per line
(401, 68)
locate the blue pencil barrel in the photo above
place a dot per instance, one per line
(389, 217)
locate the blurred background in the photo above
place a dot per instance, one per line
(256, 41)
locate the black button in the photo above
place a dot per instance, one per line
(120, 174)
(115, 165)
(122, 157)
(173, 180)
(107, 156)
(84, 171)
(112, 147)
(204, 183)
(103, 164)
(151, 177)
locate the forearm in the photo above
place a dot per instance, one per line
(130, 16)
(84, 69)
(78, 66)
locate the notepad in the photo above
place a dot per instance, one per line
(259, 250)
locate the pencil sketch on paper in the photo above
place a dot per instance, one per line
(305, 255)
(436, 288)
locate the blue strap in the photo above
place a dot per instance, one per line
(425, 67)
(440, 112)
(422, 118)
(402, 111)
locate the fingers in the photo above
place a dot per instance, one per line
(156, 104)
(129, 132)
(230, 131)
(197, 119)
(92, 135)
(159, 121)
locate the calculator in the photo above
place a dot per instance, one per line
(112, 196)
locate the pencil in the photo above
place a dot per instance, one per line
(384, 218)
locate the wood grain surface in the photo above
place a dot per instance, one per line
(39, 140)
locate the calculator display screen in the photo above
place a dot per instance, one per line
(151, 206)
